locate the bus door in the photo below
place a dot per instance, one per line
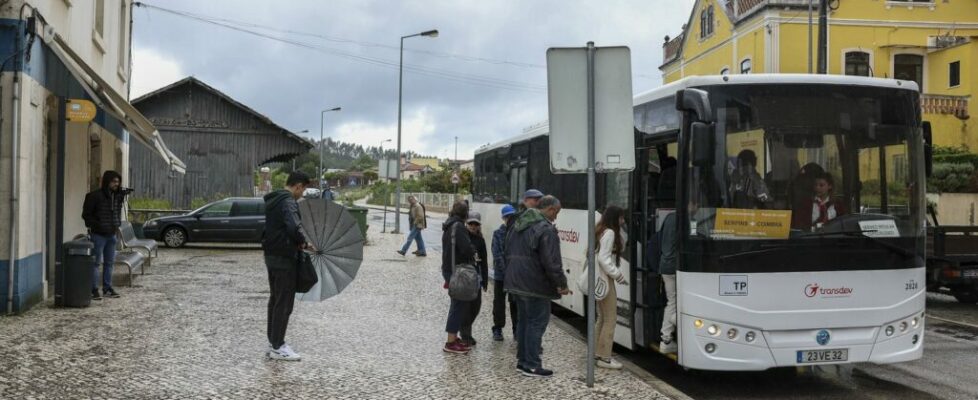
(654, 198)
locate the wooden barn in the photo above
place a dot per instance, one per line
(221, 141)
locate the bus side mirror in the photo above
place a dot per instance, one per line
(696, 101)
(704, 144)
(928, 148)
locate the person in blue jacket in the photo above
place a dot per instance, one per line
(498, 273)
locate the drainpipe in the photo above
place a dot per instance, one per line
(823, 32)
(14, 189)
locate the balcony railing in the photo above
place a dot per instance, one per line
(939, 104)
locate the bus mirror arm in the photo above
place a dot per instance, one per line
(696, 101)
(928, 148)
(704, 143)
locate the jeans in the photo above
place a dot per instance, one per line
(499, 307)
(104, 254)
(282, 276)
(534, 316)
(607, 321)
(415, 235)
(669, 318)
(461, 314)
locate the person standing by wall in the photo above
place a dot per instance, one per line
(498, 274)
(281, 243)
(610, 245)
(418, 221)
(102, 212)
(534, 273)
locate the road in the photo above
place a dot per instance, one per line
(948, 370)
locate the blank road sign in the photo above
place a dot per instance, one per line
(613, 123)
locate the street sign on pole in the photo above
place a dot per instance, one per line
(387, 169)
(455, 178)
(590, 91)
(567, 78)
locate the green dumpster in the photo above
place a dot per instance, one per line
(360, 214)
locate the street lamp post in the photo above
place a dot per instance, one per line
(322, 145)
(293, 158)
(387, 170)
(457, 169)
(400, 84)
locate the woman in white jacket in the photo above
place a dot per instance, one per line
(610, 247)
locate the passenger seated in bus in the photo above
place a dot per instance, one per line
(825, 205)
(801, 195)
(747, 188)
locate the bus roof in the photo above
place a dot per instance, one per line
(543, 128)
(755, 79)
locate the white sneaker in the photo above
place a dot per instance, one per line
(609, 363)
(284, 353)
(668, 347)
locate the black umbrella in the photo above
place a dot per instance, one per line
(339, 246)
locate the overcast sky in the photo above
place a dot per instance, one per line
(481, 80)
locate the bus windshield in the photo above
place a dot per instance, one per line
(807, 177)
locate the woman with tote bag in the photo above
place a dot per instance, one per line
(610, 247)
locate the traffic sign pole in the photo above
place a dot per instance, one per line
(590, 214)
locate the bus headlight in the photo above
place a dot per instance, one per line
(889, 330)
(713, 330)
(914, 322)
(698, 323)
(903, 326)
(732, 334)
(749, 336)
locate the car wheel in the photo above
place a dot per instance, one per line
(174, 237)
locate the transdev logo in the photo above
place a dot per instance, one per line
(813, 289)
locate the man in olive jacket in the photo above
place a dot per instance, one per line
(534, 274)
(281, 242)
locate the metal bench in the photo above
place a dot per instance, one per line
(132, 260)
(129, 241)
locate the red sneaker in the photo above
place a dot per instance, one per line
(455, 347)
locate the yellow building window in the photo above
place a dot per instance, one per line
(909, 67)
(857, 63)
(706, 22)
(954, 74)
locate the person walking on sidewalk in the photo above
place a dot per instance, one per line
(464, 252)
(281, 243)
(610, 246)
(498, 274)
(534, 273)
(474, 226)
(419, 221)
(102, 212)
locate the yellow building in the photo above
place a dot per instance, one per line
(430, 162)
(932, 42)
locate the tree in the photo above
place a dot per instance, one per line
(363, 163)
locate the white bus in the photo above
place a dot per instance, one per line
(766, 276)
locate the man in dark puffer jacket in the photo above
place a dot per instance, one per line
(281, 242)
(535, 277)
(102, 214)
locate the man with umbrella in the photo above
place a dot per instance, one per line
(282, 241)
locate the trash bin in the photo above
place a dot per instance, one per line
(360, 214)
(73, 277)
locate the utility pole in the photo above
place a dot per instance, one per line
(823, 32)
(810, 23)
(456, 169)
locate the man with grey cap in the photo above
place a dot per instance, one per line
(531, 198)
(474, 225)
(535, 274)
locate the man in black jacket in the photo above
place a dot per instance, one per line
(534, 274)
(282, 241)
(102, 214)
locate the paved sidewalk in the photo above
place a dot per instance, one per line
(194, 327)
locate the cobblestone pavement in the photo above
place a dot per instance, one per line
(194, 327)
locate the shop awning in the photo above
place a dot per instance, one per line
(110, 101)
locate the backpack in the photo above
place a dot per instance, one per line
(464, 284)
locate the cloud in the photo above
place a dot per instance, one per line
(152, 70)
(417, 133)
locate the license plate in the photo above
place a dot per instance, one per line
(822, 356)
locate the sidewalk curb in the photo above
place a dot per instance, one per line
(658, 384)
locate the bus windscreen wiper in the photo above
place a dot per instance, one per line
(862, 233)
